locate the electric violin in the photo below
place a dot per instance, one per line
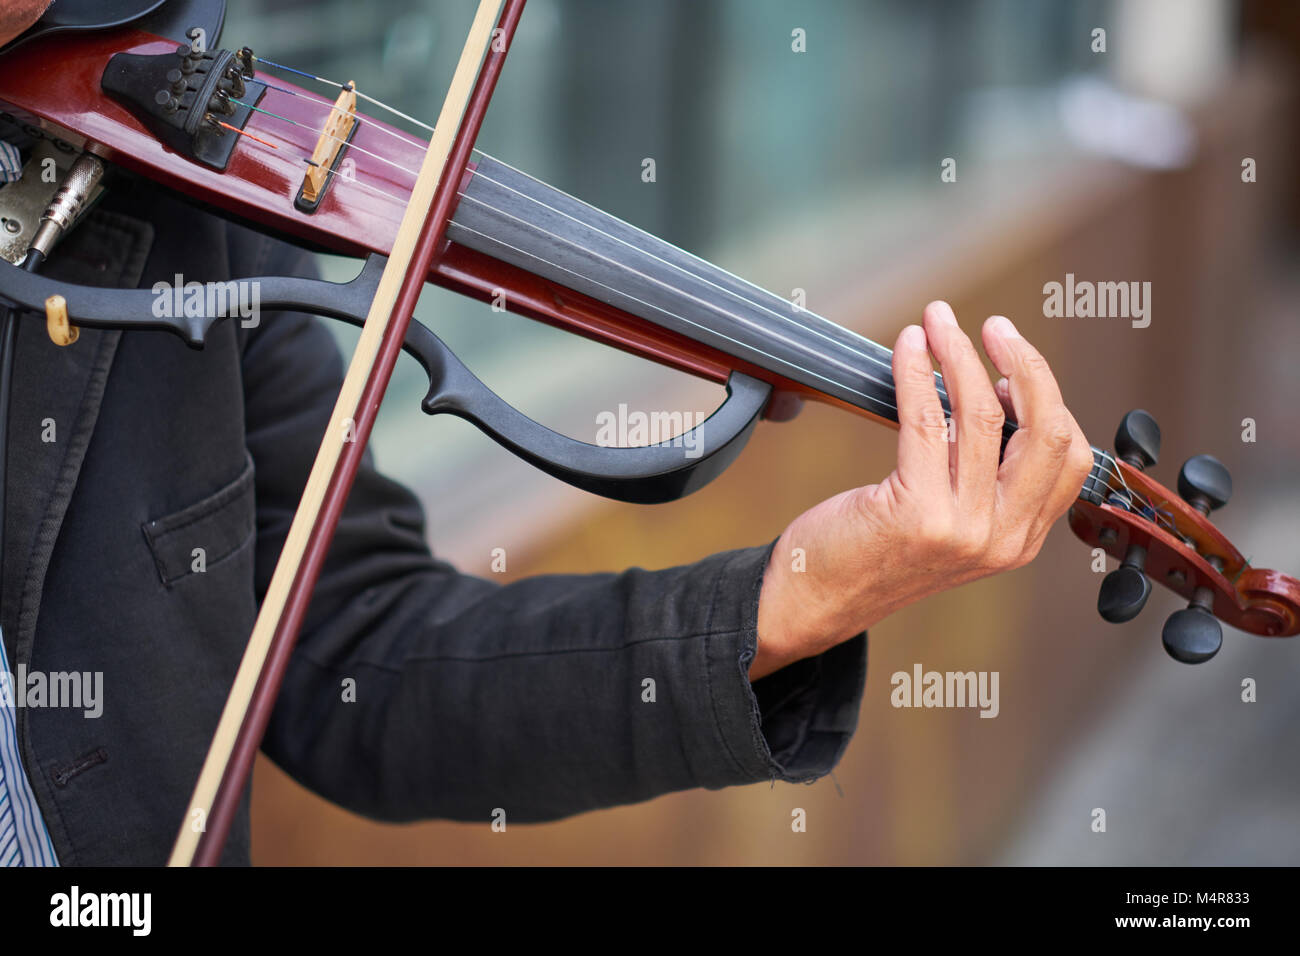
(156, 98)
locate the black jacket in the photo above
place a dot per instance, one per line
(470, 695)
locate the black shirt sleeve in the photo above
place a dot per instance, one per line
(417, 691)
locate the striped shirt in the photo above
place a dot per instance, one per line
(11, 163)
(24, 840)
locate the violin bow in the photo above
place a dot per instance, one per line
(243, 721)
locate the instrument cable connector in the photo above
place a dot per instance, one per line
(69, 202)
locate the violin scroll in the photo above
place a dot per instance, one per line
(1168, 538)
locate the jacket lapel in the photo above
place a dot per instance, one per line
(56, 399)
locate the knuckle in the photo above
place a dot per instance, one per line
(961, 345)
(957, 540)
(931, 419)
(988, 417)
(1029, 551)
(917, 377)
(1081, 460)
(1033, 362)
(964, 550)
(935, 532)
(1058, 435)
(1010, 550)
(974, 544)
(861, 505)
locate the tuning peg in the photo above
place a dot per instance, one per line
(1193, 635)
(1125, 590)
(1137, 440)
(1204, 483)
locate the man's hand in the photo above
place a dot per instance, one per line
(949, 513)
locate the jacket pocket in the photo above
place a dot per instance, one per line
(220, 525)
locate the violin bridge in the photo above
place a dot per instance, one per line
(331, 146)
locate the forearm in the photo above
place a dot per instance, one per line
(554, 695)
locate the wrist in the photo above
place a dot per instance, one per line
(789, 625)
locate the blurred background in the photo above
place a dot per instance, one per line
(1160, 150)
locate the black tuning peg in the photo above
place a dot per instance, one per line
(1125, 590)
(1204, 483)
(1193, 635)
(1137, 440)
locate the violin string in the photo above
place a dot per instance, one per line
(360, 118)
(885, 405)
(1106, 456)
(758, 290)
(306, 160)
(589, 227)
(336, 85)
(649, 305)
(891, 408)
(762, 307)
(420, 144)
(846, 366)
(887, 384)
(748, 301)
(1101, 457)
(330, 171)
(888, 407)
(243, 132)
(751, 302)
(1144, 500)
(326, 133)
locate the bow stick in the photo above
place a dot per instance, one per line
(252, 697)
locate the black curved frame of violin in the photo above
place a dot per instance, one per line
(647, 474)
